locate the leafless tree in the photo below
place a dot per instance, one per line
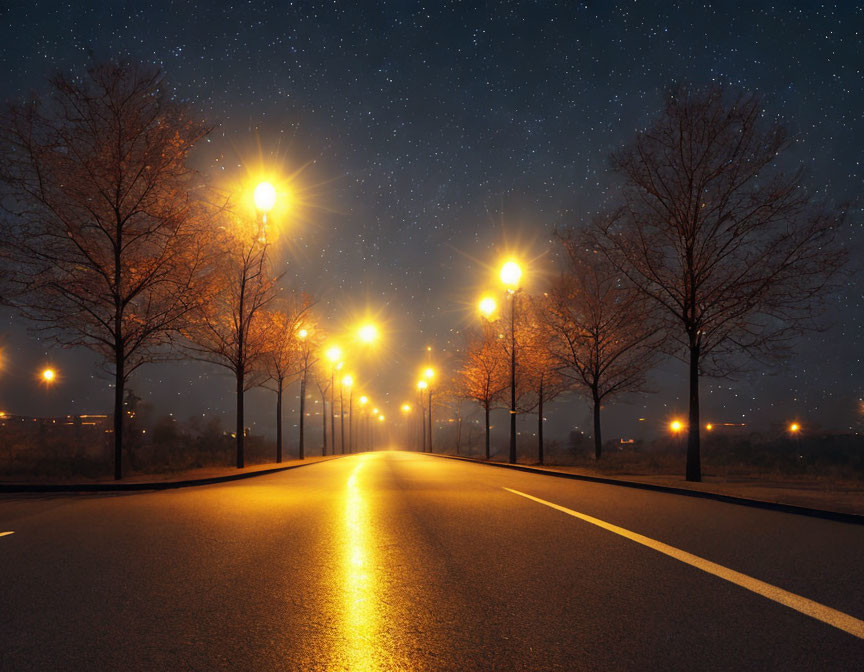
(310, 337)
(484, 374)
(100, 237)
(734, 250)
(540, 380)
(230, 329)
(604, 334)
(283, 352)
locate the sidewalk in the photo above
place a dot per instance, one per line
(812, 494)
(175, 479)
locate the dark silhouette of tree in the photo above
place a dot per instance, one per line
(734, 250)
(101, 241)
(602, 332)
(484, 374)
(540, 380)
(230, 328)
(309, 339)
(282, 357)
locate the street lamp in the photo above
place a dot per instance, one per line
(487, 306)
(265, 198)
(367, 333)
(511, 275)
(422, 385)
(429, 375)
(348, 382)
(48, 375)
(334, 354)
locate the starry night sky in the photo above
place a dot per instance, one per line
(430, 137)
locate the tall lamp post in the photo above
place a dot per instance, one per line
(422, 385)
(365, 420)
(334, 354)
(429, 375)
(511, 275)
(348, 382)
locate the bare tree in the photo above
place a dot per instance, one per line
(310, 337)
(230, 329)
(484, 374)
(101, 238)
(540, 379)
(603, 332)
(283, 354)
(733, 250)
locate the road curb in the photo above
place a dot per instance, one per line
(854, 518)
(149, 485)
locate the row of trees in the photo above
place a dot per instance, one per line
(110, 240)
(710, 252)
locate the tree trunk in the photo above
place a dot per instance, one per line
(241, 458)
(342, 418)
(119, 386)
(694, 466)
(598, 434)
(332, 413)
(301, 453)
(486, 408)
(422, 427)
(279, 421)
(540, 427)
(430, 418)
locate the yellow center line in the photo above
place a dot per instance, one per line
(820, 612)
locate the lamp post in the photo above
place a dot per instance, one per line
(429, 375)
(334, 354)
(363, 428)
(511, 275)
(422, 385)
(302, 335)
(348, 382)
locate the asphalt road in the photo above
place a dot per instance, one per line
(400, 561)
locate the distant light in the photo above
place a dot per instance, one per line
(709, 426)
(265, 196)
(429, 373)
(334, 354)
(676, 426)
(374, 411)
(380, 418)
(794, 428)
(422, 385)
(302, 334)
(364, 400)
(48, 375)
(511, 274)
(348, 381)
(406, 408)
(487, 306)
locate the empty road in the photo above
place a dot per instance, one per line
(403, 561)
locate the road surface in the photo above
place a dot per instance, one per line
(403, 561)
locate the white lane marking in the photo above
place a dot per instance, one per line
(820, 612)
(3, 534)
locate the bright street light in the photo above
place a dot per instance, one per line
(48, 375)
(422, 385)
(676, 426)
(487, 306)
(334, 354)
(265, 196)
(406, 408)
(364, 400)
(381, 418)
(511, 274)
(348, 381)
(303, 334)
(367, 333)
(429, 373)
(794, 428)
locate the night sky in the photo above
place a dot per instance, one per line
(431, 137)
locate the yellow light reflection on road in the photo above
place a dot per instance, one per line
(361, 611)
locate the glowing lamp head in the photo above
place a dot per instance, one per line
(794, 428)
(303, 334)
(374, 411)
(265, 196)
(429, 373)
(380, 418)
(368, 333)
(676, 426)
(709, 427)
(334, 354)
(422, 385)
(406, 408)
(511, 274)
(348, 381)
(49, 375)
(487, 306)
(364, 400)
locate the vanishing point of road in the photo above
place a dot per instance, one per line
(404, 561)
